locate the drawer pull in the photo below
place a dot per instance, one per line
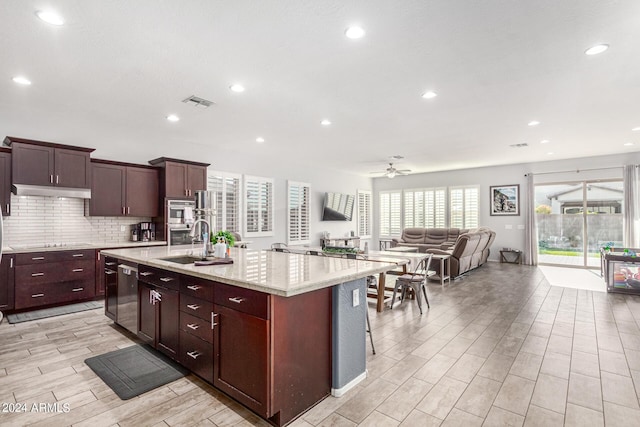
(192, 326)
(146, 273)
(37, 258)
(77, 289)
(78, 270)
(194, 354)
(109, 263)
(193, 306)
(213, 316)
(78, 255)
(194, 287)
(166, 279)
(237, 300)
(37, 274)
(107, 271)
(37, 295)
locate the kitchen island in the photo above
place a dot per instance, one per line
(275, 331)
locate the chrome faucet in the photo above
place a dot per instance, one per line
(205, 235)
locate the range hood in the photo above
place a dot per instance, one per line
(44, 190)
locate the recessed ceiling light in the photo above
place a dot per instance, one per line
(636, 129)
(173, 118)
(354, 32)
(550, 153)
(429, 95)
(544, 141)
(533, 123)
(50, 17)
(21, 80)
(325, 122)
(594, 50)
(237, 88)
(260, 139)
(628, 144)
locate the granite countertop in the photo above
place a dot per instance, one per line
(36, 247)
(284, 274)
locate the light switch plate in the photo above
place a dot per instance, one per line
(356, 297)
(122, 228)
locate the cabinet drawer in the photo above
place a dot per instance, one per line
(196, 287)
(55, 272)
(196, 355)
(244, 300)
(196, 307)
(32, 294)
(198, 327)
(155, 276)
(54, 256)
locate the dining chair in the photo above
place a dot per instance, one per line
(416, 281)
(279, 247)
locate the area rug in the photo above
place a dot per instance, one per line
(55, 311)
(575, 278)
(135, 370)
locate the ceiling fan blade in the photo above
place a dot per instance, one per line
(403, 170)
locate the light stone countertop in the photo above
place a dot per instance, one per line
(19, 249)
(284, 274)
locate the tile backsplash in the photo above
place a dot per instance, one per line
(40, 219)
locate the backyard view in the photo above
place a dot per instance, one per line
(574, 220)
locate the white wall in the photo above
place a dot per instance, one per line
(506, 227)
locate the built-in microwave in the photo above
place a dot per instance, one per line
(180, 218)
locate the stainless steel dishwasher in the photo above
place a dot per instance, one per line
(127, 313)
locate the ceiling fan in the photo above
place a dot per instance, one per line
(391, 172)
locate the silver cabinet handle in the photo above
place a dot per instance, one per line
(123, 210)
(37, 274)
(166, 279)
(8, 207)
(213, 316)
(10, 262)
(51, 178)
(107, 271)
(109, 263)
(186, 192)
(146, 273)
(193, 306)
(192, 326)
(77, 289)
(37, 295)
(128, 210)
(37, 258)
(78, 255)
(194, 354)
(237, 300)
(57, 179)
(78, 270)
(194, 287)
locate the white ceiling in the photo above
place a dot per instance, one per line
(109, 77)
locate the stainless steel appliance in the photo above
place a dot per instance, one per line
(143, 232)
(127, 308)
(180, 217)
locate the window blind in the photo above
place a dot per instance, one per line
(298, 223)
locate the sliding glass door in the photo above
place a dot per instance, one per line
(575, 219)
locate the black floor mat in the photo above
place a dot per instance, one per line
(135, 370)
(54, 311)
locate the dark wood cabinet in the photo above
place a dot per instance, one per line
(49, 164)
(147, 314)
(5, 181)
(7, 282)
(120, 189)
(181, 178)
(110, 286)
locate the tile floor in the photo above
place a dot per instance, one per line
(498, 347)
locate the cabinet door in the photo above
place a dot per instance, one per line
(197, 179)
(7, 282)
(107, 190)
(241, 361)
(32, 164)
(175, 179)
(143, 192)
(5, 183)
(147, 314)
(168, 322)
(110, 278)
(72, 168)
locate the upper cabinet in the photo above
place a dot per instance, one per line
(49, 164)
(5, 181)
(181, 178)
(122, 189)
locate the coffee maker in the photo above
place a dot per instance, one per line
(143, 232)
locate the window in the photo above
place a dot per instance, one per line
(390, 213)
(258, 195)
(364, 213)
(463, 207)
(425, 208)
(224, 190)
(298, 207)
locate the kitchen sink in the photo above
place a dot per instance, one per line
(182, 259)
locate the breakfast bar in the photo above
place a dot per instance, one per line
(275, 331)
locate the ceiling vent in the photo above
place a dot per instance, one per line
(196, 101)
(524, 144)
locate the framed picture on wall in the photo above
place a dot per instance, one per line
(505, 200)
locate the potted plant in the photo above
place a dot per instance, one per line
(228, 237)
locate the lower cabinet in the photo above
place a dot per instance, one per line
(6, 282)
(110, 283)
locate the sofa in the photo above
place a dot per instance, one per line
(428, 238)
(470, 251)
